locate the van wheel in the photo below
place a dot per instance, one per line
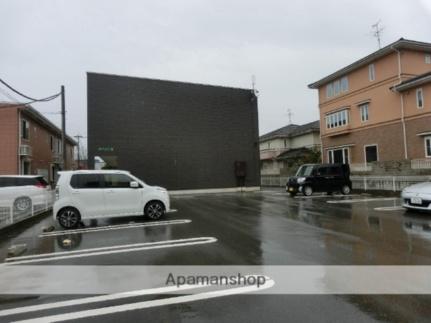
(69, 218)
(345, 189)
(154, 210)
(307, 191)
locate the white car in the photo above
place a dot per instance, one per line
(90, 194)
(417, 197)
(26, 195)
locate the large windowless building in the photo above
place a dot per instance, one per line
(174, 134)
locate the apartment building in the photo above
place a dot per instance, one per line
(30, 143)
(379, 107)
(281, 147)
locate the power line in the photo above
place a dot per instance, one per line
(49, 98)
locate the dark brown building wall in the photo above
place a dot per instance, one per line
(389, 139)
(8, 140)
(415, 143)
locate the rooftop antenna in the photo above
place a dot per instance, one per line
(377, 32)
(289, 115)
(253, 85)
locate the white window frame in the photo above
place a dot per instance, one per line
(337, 119)
(427, 58)
(371, 72)
(343, 149)
(428, 138)
(364, 107)
(27, 126)
(365, 151)
(420, 90)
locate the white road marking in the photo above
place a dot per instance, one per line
(114, 227)
(389, 208)
(327, 196)
(95, 299)
(147, 304)
(362, 200)
(108, 250)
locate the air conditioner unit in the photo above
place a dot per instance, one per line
(24, 150)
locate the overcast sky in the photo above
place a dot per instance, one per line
(285, 44)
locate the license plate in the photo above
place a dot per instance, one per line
(416, 200)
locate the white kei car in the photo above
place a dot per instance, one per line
(417, 197)
(90, 194)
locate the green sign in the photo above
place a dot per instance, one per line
(106, 149)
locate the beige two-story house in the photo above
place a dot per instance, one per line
(279, 148)
(379, 107)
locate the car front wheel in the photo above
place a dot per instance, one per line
(154, 210)
(307, 191)
(69, 218)
(345, 189)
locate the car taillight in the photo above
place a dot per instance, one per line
(41, 185)
(57, 193)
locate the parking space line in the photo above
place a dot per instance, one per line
(96, 299)
(389, 208)
(109, 250)
(362, 200)
(148, 304)
(115, 227)
(327, 196)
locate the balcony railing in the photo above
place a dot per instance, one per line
(25, 150)
(361, 167)
(421, 163)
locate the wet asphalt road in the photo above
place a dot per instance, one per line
(261, 228)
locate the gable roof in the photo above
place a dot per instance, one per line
(292, 130)
(397, 45)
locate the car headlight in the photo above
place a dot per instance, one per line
(301, 180)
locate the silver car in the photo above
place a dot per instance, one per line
(417, 197)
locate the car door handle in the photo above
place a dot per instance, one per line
(75, 192)
(110, 191)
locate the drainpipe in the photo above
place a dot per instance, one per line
(403, 123)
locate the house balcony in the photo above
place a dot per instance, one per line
(25, 151)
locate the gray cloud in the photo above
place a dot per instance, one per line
(286, 44)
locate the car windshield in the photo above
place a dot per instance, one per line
(304, 170)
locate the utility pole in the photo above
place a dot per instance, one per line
(289, 115)
(378, 32)
(78, 137)
(63, 127)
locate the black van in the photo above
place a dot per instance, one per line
(320, 178)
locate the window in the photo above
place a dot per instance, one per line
(427, 146)
(117, 181)
(285, 143)
(371, 153)
(329, 90)
(337, 87)
(419, 98)
(363, 108)
(371, 72)
(427, 58)
(344, 84)
(52, 143)
(58, 146)
(337, 119)
(338, 156)
(25, 133)
(85, 181)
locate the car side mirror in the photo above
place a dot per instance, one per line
(134, 184)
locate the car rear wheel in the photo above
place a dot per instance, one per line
(154, 210)
(69, 218)
(345, 189)
(307, 191)
(22, 205)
